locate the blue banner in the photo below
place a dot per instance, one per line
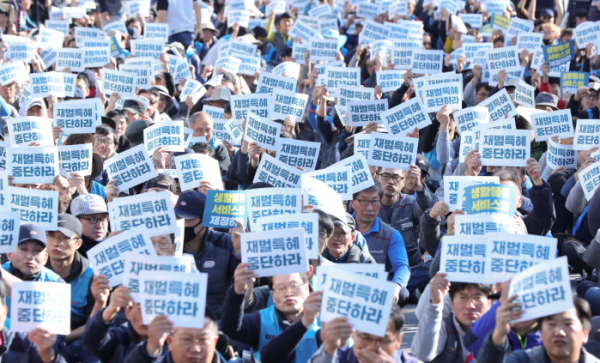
(491, 198)
(223, 208)
(556, 55)
(571, 81)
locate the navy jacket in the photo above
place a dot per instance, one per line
(542, 217)
(109, 344)
(140, 355)
(16, 348)
(219, 261)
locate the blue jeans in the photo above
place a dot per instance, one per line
(185, 38)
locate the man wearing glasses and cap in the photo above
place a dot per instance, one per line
(91, 211)
(341, 247)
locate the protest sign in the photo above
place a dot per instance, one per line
(275, 202)
(466, 119)
(235, 130)
(144, 75)
(454, 189)
(189, 88)
(152, 48)
(367, 11)
(529, 41)
(408, 43)
(249, 64)
(95, 43)
(556, 55)
(427, 61)
(499, 106)
(121, 27)
(383, 48)
(308, 221)
(10, 223)
(121, 82)
(589, 178)
(493, 198)
(277, 173)
(373, 270)
(3, 147)
(241, 17)
(467, 144)
(32, 165)
(505, 147)
(20, 51)
(195, 168)
(49, 56)
(587, 134)
(595, 155)
(555, 123)
(83, 32)
(524, 94)
(11, 71)
(262, 131)
(338, 177)
(217, 112)
(298, 50)
(220, 132)
(287, 103)
(71, 58)
(373, 31)
(390, 80)
(46, 305)
(323, 49)
(168, 135)
(367, 304)
(75, 159)
(156, 31)
(317, 193)
(585, 33)
(96, 57)
(473, 139)
(361, 176)
(559, 155)
(46, 84)
(224, 208)
(475, 20)
(275, 252)
(327, 24)
(271, 83)
(335, 77)
(319, 11)
(392, 151)
(180, 296)
(303, 31)
(150, 212)
(518, 26)
(544, 289)
(298, 153)
(59, 25)
(135, 7)
(25, 130)
(571, 81)
(136, 264)
(78, 116)
(502, 59)
(401, 59)
(482, 224)
(39, 207)
(278, 6)
(362, 143)
(437, 96)
(131, 167)
(362, 113)
(405, 117)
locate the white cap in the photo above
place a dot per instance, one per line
(88, 204)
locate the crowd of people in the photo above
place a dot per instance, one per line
(399, 221)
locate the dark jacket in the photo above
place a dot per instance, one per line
(88, 243)
(542, 217)
(110, 344)
(219, 261)
(355, 254)
(222, 156)
(405, 219)
(16, 348)
(140, 355)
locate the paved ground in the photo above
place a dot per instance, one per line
(411, 322)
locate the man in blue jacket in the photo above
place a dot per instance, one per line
(215, 253)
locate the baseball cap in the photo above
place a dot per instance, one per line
(88, 204)
(28, 232)
(190, 205)
(69, 225)
(347, 226)
(36, 102)
(547, 99)
(423, 163)
(135, 132)
(134, 106)
(208, 26)
(220, 93)
(162, 179)
(162, 90)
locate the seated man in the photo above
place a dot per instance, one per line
(114, 343)
(91, 211)
(387, 349)
(439, 338)
(563, 336)
(289, 294)
(341, 247)
(184, 344)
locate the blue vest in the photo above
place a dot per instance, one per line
(45, 275)
(79, 291)
(269, 328)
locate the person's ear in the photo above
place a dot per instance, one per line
(311, 270)
(78, 244)
(400, 337)
(170, 339)
(9, 256)
(45, 256)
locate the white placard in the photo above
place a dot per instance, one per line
(362, 143)
(278, 6)
(60, 25)
(194, 168)
(241, 17)
(230, 64)
(437, 96)
(374, 270)
(590, 179)
(505, 147)
(475, 20)
(46, 305)
(555, 123)
(168, 135)
(335, 77)
(401, 58)
(235, 130)
(454, 189)
(272, 83)
(392, 151)
(25, 130)
(266, 202)
(405, 117)
(561, 155)
(81, 33)
(585, 33)
(134, 7)
(20, 51)
(466, 119)
(46, 84)
(11, 71)
(524, 94)
(32, 165)
(323, 50)
(78, 116)
(506, 58)
(390, 80)
(152, 48)
(249, 64)
(10, 223)
(482, 224)
(121, 82)
(362, 113)
(499, 106)
(303, 31)
(427, 61)
(156, 31)
(150, 212)
(76, 159)
(190, 87)
(587, 134)
(308, 221)
(39, 207)
(130, 168)
(299, 153)
(287, 103)
(275, 252)
(298, 50)
(543, 290)
(262, 131)
(361, 176)
(367, 11)
(277, 173)
(144, 75)
(71, 58)
(337, 177)
(530, 41)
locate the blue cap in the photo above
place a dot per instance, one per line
(190, 205)
(29, 232)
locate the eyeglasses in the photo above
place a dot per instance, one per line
(464, 299)
(60, 240)
(95, 220)
(483, 94)
(106, 142)
(162, 244)
(396, 178)
(364, 202)
(282, 289)
(187, 343)
(368, 340)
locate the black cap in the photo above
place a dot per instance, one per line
(29, 232)
(423, 163)
(190, 205)
(110, 122)
(185, 151)
(69, 225)
(163, 179)
(347, 226)
(135, 132)
(97, 165)
(134, 106)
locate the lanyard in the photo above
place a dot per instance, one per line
(523, 342)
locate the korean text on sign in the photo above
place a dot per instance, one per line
(505, 147)
(308, 221)
(494, 198)
(39, 207)
(224, 208)
(275, 252)
(405, 117)
(454, 189)
(76, 159)
(9, 231)
(298, 153)
(276, 173)
(555, 123)
(194, 168)
(338, 177)
(272, 202)
(262, 131)
(41, 304)
(391, 151)
(587, 134)
(150, 211)
(131, 167)
(168, 135)
(590, 179)
(32, 165)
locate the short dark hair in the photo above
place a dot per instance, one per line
(481, 85)
(584, 314)
(325, 222)
(581, 13)
(203, 148)
(507, 176)
(229, 77)
(397, 317)
(288, 52)
(375, 188)
(79, 139)
(85, 79)
(149, 90)
(116, 112)
(499, 39)
(455, 287)
(108, 132)
(210, 315)
(227, 109)
(522, 124)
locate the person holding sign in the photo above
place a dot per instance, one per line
(341, 247)
(92, 212)
(203, 125)
(387, 349)
(279, 37)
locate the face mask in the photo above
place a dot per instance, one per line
(547, 41)
(189, 233)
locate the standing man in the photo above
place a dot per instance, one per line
(91, 211)
(385, 243)
(202, 124)
(180, 17)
